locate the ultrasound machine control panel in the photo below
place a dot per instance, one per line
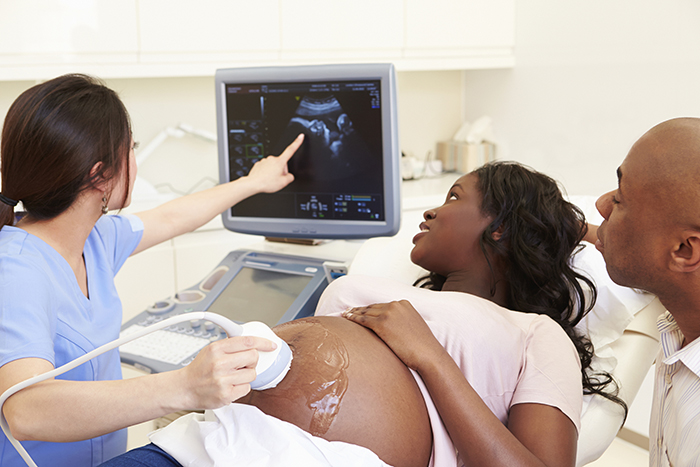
(245, 286)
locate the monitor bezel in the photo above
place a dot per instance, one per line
(315, 228)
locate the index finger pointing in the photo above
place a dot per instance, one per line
(292, 148)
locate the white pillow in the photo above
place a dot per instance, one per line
(388, 257)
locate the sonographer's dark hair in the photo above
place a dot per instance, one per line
(54, 134)
(538, 234)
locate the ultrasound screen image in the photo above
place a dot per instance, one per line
(334, 151)
(338, 169)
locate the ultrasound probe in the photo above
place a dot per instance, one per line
(272, 366)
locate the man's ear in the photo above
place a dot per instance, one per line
(686, 256)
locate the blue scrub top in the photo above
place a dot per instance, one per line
(44, 314)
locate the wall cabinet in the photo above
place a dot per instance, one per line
(40, 39)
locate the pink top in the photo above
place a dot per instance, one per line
(508, 357)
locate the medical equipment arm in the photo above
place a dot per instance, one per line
(271, 368)
(187, 213)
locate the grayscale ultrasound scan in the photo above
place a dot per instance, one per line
(339, 160)
(333, 149)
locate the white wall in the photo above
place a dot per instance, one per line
(590, 78)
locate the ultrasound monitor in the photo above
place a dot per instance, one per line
(347, 175)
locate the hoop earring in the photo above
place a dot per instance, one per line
(105, 209)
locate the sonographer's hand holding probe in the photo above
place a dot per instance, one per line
(222, 371)
(252, 354)
(272, 366)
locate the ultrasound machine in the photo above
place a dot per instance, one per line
(346, 186)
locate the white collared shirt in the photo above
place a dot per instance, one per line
(674, 431)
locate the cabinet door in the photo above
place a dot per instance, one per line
(40, 39)
(186, 31)
(45, 32)
(450, 24)
(339, 29)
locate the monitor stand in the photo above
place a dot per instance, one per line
(297, 241)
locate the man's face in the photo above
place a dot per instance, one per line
(629, 238)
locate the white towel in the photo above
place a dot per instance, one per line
(242, 435)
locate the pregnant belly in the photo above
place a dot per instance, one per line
(345, 384)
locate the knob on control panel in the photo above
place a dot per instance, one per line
(160, 307)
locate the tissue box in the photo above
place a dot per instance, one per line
(457, 156)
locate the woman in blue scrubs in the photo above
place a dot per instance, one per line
(67, 154)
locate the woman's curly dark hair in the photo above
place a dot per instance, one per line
(539, 233)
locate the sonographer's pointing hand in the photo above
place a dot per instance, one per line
(271, 173)
(189, 212)
(223, 371)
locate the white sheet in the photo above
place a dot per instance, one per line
(241, 435)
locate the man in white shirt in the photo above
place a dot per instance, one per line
(650, 240)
